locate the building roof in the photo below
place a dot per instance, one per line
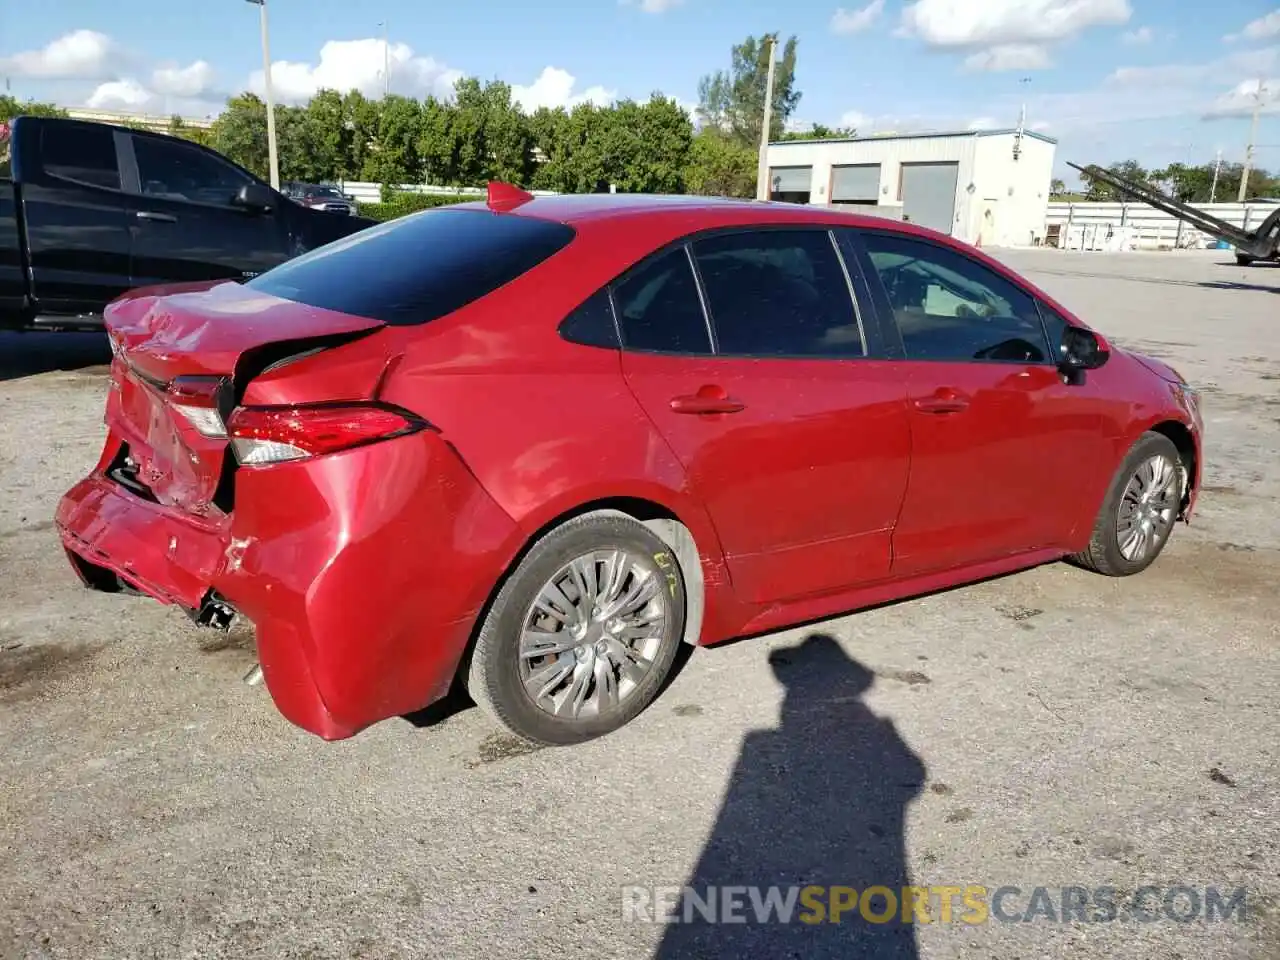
(924, 135)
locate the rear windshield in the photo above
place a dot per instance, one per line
(417, 268)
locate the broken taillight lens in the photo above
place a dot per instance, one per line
(262, 435)
(196, 398)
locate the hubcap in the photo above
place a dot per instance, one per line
(1148, 508)
(592, 633)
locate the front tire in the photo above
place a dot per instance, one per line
(1139, 511)
(582, 635)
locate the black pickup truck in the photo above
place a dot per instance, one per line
(90, 210)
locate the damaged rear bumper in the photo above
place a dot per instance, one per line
(362, 572)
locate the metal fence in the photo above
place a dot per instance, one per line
(372, 192)
(1144, 227)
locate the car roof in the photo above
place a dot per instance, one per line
(692, 212)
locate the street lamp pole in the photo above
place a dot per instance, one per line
(271, 106)
(762, 162)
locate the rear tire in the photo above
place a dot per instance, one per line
(1243, 260)
(593, 615)
(1139, 511)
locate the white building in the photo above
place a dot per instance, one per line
(988, 187)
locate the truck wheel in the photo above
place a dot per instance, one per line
(1243, 260)
(1139, 511)
(582, 635)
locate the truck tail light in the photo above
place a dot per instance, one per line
(196, 399)
(263, 435)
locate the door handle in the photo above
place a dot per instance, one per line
(158, 217)
(943, 400)
(708, 399)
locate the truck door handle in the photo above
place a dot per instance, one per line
(708, 399)
(158, 217)
(943, 400)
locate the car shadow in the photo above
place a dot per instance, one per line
(28, 354)
(818, 801)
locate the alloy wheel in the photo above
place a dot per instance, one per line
(592, 633)
(1148, 507)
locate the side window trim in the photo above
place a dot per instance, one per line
(665, 250)
(886, 330)
(702, 298)
(128, 162)
(853, 295)
(887, 308)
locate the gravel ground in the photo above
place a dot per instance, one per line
(1050, 728)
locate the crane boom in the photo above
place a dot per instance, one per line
(1260, 244)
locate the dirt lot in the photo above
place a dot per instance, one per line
(1050, 728)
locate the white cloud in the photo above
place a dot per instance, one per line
(1264, 28)
(1189, 74)
(1009, 56)
(358, 65)
(983, 123)
(193, 80)
(652, 6)
(961, 23)
(1007, 34)
(79, 55)
(127, 95)
(855, 120)
(1241, 100)
(855, 21)
(1138, 37)
(1041, 126)
(555, 88)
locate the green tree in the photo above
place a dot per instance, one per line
(324, 141)
(436, 143)
(11, 107)
(549, 136)
(240, 133)
(720, 167)
(396, 160)
(733, 100)
(820, 132)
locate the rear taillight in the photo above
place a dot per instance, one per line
(196, 398)
(262, 435)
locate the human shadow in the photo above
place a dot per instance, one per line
(819, 801)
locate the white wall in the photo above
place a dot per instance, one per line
(1016, 192)
(985, 161)
(1152, 229)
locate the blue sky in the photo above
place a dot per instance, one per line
(1158, 80)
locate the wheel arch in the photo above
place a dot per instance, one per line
(1180, 435)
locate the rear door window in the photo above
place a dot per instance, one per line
(778, 293)
(83, 153)
(418, 268)
(659, 308)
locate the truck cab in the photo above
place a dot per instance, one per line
(91, 210)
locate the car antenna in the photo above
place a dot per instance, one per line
(505, 196)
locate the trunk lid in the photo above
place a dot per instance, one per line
(182, 358)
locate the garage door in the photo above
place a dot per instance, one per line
(855, 183)
(929, 194)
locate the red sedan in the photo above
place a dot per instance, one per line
(538, 443)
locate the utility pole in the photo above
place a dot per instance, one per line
(762, 164)
(271, 106)
(1253, 135)
(1217, 167)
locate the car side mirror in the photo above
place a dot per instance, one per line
(255, 198)
(1081, 350)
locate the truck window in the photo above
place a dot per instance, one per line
(85, 154)
(175, 171)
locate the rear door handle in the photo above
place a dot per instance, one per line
(943, 400)
(158, 217)
(709, 399)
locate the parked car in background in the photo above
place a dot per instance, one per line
(319, 197)
(90, 210)
(538, 443)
